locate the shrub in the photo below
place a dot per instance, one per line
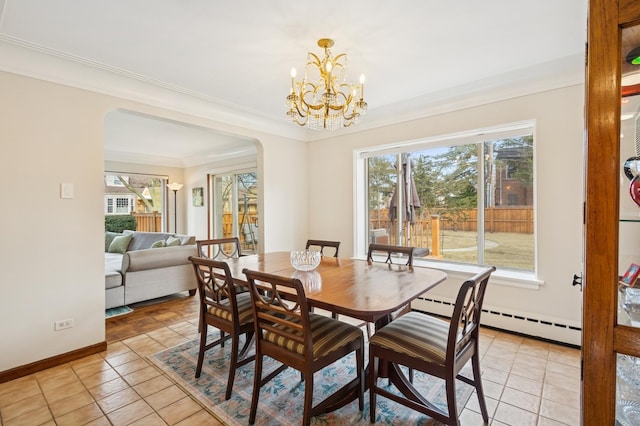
(118, 223)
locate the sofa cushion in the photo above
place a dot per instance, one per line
(112, 279)
(142, 260)
(159, 244)
(120, 244)
(112, 273)
(108, 238)
(144, 240)
(112, 262)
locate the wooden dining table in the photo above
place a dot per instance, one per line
(369, 291)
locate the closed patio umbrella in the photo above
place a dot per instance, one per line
(408, 200)
(409, 195)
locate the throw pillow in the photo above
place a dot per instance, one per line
(158, 244)
(120, 244)
(185, 239)
(173, 241)
(143, 240)
(108, 238)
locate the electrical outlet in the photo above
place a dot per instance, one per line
(63, 324)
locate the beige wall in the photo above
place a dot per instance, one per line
(559, 191)
(53, 261)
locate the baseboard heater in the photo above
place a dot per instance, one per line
(541, 328)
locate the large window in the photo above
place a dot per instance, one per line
(142, 196)
(467, 199)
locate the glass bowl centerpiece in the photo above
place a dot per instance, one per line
(305, 260)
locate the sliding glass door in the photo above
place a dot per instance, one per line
(235, 208)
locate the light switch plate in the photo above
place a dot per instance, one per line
(66, 190)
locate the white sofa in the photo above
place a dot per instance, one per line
(142, 272)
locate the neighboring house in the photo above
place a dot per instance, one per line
(511, 191)
(118, 199)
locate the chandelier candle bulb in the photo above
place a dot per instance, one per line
(293, 80)
(361, 86)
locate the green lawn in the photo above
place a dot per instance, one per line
(507, 250)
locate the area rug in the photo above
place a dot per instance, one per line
(117, 311)
(281, 399)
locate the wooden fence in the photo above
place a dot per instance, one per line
(425, 232)
(496, 219)
(148, 222)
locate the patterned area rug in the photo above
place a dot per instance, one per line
(117, 311)
(281, 399)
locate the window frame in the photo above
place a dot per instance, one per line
(514, 278)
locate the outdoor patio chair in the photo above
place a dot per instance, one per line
(322, 244)
(219, 248)
(436, 347)
(286, 331)
(222, 307)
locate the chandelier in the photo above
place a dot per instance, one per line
(323, 99)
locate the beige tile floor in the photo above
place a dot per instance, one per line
(527, 382)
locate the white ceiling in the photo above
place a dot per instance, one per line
(238, 55)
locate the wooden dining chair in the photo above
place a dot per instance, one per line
(222, 307)
(436, 347)
(334, 245)
(288, 332)
(389, 251)
(219, 248)
(322, 244)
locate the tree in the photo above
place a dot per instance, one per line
(425, 176)
(457, 177)
(382, 181)
(520, 160)
(147, 203)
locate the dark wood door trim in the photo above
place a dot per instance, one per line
(601, 213)
(629, 12)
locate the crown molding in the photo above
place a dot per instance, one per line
(563, 72)
(32, 60)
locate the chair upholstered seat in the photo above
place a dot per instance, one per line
(327, 335)
(244, 308)
(416, 335)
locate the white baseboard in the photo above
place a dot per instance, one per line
(538, 326)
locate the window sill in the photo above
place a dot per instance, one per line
(504, 277)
